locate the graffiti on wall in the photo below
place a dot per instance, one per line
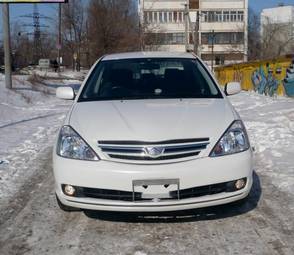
(265, 81)
(289, 81)
(272, 77)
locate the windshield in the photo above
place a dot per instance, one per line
(149, 78)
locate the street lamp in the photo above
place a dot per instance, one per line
(211, 42)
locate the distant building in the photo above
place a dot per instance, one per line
(277, 25)
(221, 25)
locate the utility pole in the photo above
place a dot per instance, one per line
(7, 49)
(186, 14)
(59, 37)
(196, 34)
(212, 49)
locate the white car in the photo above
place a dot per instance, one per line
(151, 131)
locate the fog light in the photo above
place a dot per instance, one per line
(240, 184)
(69, 190)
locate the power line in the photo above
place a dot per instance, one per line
(36, 16)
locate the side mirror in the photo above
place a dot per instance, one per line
(232, 88)
(65, 93)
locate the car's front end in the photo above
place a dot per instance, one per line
(158, 154)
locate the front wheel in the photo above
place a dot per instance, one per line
(65, 207)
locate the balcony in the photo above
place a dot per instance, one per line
(222, 26)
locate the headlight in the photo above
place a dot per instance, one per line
(71, 145)
(234, 140)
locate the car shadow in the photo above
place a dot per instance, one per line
(209, 213)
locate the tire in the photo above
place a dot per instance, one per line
(65, 208)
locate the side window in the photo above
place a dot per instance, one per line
(208, 79)
(96, 79)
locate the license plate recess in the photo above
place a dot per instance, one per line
(156, 189)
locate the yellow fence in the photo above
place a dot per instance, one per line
(266, 77)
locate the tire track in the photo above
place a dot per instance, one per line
(30, 119)
(37, 226)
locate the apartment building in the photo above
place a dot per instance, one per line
(216, 29)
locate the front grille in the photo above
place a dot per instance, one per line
(109, 194)
(201, 191)
(183, 194)
(153, 151)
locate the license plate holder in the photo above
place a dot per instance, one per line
(159, 184)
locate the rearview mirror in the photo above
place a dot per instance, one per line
(232, 88)
(65, 93)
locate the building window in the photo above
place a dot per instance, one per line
(207, 16)
(194, 4)
(226, 16)
(219, 60)
(165, 38)
(240, 16)
(178, 38)
(155, 17)
(149, 17)
(170, 16)
(145, 17)
(181, 17)
(218, 16)
(176, 17)
(160, 17)
(223, 16)
(233, 16)
(223, 38)
(163, 17)
(211, 16)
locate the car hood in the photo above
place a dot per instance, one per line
(151, 120)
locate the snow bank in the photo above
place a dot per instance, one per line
(66, 74)
(29, 120)
(270, 125)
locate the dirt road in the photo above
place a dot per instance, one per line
(31, 223)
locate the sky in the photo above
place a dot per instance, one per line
(16, 10)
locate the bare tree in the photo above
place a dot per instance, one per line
(22, 45)
(73, 27)
(276, 39)
(254, 43)
(113, 27)
(151, 34)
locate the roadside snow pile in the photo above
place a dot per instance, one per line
(52, 83)
(30, 116)
(52, 79)
(25, 98)
(270, 124)
(66, 74)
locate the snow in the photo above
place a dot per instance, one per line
(31, 223)
(31, 115)
(270, 125)
(29, 118)
(66, 74)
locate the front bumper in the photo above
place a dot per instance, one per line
(119, 176)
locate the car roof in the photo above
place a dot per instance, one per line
(149, 54)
